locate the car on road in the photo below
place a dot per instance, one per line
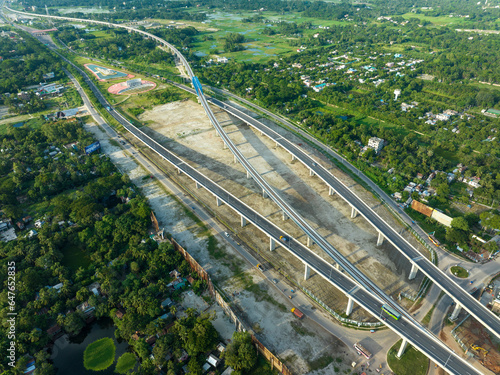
(284, 238)
(226, 234)
(261, 267)
(275, 281)
(315, 164)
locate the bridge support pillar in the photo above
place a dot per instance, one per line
(293, 157)
(310, 242)
(248, 175)
(218, 201)
(456, 311)
(224, 146)
(243, 221)
(337, 266)
(402, 348)
(277, 144)
(354, 213)
(331, 191)
(179, 171)
(285, 216)
(380, 239)
(307, 271)
(272, 244)
(264, 194)
(235, 160)
(197, 185)
(350, 303)
(413, 272)
(311, 172)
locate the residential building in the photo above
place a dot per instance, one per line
(376, 143)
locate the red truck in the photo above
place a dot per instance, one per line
(297, 313)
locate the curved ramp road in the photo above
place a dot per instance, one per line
(414, 333)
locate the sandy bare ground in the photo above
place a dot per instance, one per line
(184, 128)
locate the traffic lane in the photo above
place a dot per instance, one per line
(419, 339)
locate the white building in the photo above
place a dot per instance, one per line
(376, 143)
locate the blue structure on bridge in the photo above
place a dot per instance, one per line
(197, 85)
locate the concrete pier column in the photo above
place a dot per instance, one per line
(224, 146)
(337, 266)
(293, 157)
(311, 172)
(179, 171)
(277, 144)
(261, 133)
(456, 311)
(197, 185)
(264, 194)
(218, 201)
(248, 175)
(380, 239)
(350, 303)
(310, 242)
(272, 244)
(243, 221)
(217, 134)
(285, 216)
(413, 272)
(354, 213)
(402, 348)
(307, 271)
(235, 159)
(331, 191)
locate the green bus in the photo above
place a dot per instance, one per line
(389, 310)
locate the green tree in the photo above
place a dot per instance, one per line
(240, 353)
(460, 223)
(73, 323)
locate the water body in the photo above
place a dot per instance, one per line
(200, 54)
(68, 355)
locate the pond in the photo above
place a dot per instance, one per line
(67, 355)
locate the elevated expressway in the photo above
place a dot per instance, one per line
(407, 328)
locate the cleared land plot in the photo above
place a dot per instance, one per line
(184, 128)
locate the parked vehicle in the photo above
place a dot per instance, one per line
(297, 313)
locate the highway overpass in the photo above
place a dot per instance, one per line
(413, 332)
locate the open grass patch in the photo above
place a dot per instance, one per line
(320, 363)
(300, 329)
(412, 362)
(427, 318)
(99, 355)
(125, 363)
(459, 272)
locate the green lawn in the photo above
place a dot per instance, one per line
(412, 362)
(125, 363)
(99, 355)
(438, 21)
(459, 272)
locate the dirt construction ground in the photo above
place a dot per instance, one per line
(472, 333)
(184, 128)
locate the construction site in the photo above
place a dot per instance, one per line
(184, 128)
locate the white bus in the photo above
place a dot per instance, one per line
(360, 349)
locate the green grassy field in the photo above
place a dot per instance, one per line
(99, 355)
(438, 21)
(412, 362)
(459, 272)
(125, 363)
